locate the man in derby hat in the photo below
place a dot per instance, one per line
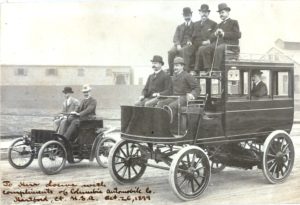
(70, 104)
(228, 33)
(184, 85)
(183, 42)
(158, 83)
(85, 111)
(202, 37)
(259, 88)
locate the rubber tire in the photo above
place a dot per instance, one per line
(172, 174)
(46, 171)
(99, 145)
(10, 159)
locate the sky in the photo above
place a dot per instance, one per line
(127, 32)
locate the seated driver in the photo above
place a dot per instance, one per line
(259, 88)
(85, 111)
(184, 85)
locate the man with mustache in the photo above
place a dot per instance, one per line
(183, 42)
(158, 83)
(228, 32)
(184, 85)
(201, 37)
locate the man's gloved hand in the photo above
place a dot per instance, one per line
(178, 47)
(155, 95)
(141, 98)
(190, 96)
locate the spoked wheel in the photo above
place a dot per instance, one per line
(126, 163)
(102, 150)
(278, 157)
(52, 157)
(189, 173)
(20, 154)
(217, 167)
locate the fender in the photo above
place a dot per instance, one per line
(98, 138)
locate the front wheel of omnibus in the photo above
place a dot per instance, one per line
(20, 154)
(189, 173)
(126, 163)
(52, 157)
(278, 156)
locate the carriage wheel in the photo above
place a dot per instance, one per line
(20, 154)
(189, 173)
(217, 167)
(278, 157)
(126, 163)
(52, 157)
(102, 150)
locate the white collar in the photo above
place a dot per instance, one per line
(188, 22)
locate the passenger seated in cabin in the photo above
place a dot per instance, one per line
(70, 104)
(183, 42)
(158, 83)
(228, 33)
(259, 88)
(184, 85)
(85, 111)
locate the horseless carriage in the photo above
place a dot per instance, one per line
(224, 126)
(53, 150)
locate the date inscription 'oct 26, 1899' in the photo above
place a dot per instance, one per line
(56, 192)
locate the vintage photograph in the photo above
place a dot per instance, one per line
(149, 102)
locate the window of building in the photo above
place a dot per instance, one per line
(80, 72)
(121, 78)
(51, 72)
(21, 72)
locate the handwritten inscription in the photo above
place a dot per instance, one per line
(57, 192)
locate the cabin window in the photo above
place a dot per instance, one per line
(203, 86)
(216, 88)
(281, 84)
(238, 84)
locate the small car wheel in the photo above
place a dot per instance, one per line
(102, 150)
(126, 163)
(52, 157)
(20, 154)
(189, 173)
(278, 157)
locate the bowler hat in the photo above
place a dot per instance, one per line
(67, 90)
(256, 72)
(223, 6)
(86, 88)
(179, 60)
(187, 11)
(158, 59)
(204, 7)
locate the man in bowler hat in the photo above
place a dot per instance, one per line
(259, 88)
(158, 83)
(228, 33)
(202, 37)
(183, 42)
(70, 104)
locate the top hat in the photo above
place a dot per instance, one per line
(158, 59)
(187, 11)
(86, 88)
(179, 60)
(257, 72)
(67, 90)
(204, 8)
(223, 6)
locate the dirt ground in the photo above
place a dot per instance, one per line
(231, 186)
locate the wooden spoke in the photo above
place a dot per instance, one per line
(124, 172)
(120, 168)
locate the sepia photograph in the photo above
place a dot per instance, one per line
(149, 102)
